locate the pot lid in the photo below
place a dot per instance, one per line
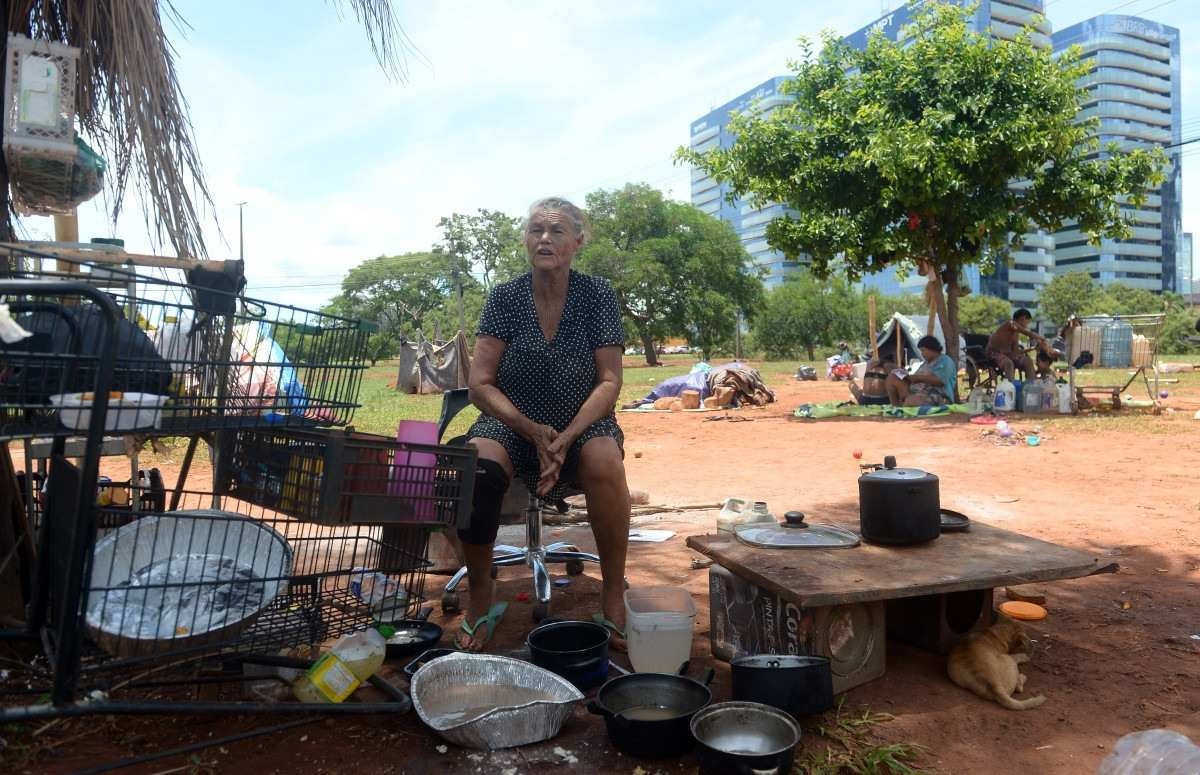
(952, 521)
(779, 661)
(795, 533)
(889, 472)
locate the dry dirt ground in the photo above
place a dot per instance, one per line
(1117, 653)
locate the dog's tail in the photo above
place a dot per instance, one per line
(1015, 704)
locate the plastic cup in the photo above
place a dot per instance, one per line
(412, 471)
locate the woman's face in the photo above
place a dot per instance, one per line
(551, 240)
(930, 355)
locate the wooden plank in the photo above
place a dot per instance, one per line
(981, 558)
(110, 256)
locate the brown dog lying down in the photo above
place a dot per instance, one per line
(986, 664)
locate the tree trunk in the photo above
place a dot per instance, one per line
(952, 315)
(948, 319)
(812, 352)
(648, 346)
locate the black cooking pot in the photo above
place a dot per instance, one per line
(744, 738)
(578, 651)
(648, 715)
(800, 685)
(898, 506)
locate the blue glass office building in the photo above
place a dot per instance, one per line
(1134, 91)
(1031, 263)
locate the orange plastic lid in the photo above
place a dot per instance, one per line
(1019, 609)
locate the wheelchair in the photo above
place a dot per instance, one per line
(534, 553)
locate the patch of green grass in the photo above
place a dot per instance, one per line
(849, 748)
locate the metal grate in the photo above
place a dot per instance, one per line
(189, 358)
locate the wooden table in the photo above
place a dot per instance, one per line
(983, 557)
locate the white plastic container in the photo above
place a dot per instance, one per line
(352, 660)
(131, 411)
(1006, 396)
(741, 511)
(1152, 752)
(658, 624)
(1031, 397)
(1064, 398)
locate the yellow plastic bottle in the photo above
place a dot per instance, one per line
(341, 670)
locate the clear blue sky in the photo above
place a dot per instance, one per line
(508, 102)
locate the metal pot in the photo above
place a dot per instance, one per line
(744, 738)
(578, 651)
(898, 506)
(800, 685)
(649, 715)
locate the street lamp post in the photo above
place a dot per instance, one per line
(241, 225)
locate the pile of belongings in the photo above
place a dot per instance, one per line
(731, 385)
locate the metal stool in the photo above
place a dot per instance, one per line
(533, 554)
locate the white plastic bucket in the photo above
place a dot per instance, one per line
(658, 624)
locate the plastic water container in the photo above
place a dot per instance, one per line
(1116, 344)
(740, 511)
(1031, 397)
(1049, 396)
(1006, 397)
(658, 625)
(1064, 397)
(1152, 752)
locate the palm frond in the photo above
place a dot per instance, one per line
(391, 46)
(129, 103)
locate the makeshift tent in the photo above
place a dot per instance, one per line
(910, 332)
(426, 367)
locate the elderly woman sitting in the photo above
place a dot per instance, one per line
(546, 376)
(933, 384)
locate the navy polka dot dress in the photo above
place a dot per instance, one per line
(548, 382)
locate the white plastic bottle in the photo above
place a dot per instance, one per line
(352, 660)
(1152, 752)
(1006, 396)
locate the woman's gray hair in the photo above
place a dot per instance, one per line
(564, 206)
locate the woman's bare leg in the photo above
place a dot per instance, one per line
(602, 476)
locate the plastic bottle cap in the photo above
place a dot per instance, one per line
(386, 630)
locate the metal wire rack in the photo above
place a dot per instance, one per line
(190, 356)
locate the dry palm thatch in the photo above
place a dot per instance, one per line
(129, 102)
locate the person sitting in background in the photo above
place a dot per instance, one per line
(1004, 346)
(933, 384)
(874, 387)
(1045, 364)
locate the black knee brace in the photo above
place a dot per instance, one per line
(490, 485)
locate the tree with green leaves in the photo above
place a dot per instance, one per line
(980, 314)
(489, 243)
(804, 313)
(397, 293)
(903, 154)
(675, 270)
(1072, 293)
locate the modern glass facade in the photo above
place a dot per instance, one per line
(1185, 270)
(1134, 91)
(747, 219)
(1031, 264)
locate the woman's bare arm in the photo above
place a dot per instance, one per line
(488, 397)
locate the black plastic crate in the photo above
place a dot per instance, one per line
(345, 477)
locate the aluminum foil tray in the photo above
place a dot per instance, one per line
(489, 702)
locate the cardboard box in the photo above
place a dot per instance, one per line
(745, 619)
